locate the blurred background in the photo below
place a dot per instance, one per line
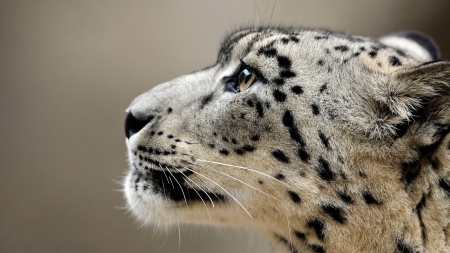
(68, 70)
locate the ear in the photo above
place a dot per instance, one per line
(422, 94)
(415, 44)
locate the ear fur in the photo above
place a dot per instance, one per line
(424, 101)
(415, 44)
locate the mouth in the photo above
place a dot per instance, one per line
(172, 185)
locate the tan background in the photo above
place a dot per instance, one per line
(69, 68)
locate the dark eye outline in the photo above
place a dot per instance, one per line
(233, 82)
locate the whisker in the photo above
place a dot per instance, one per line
(239, 203)
(196, 191)
(167, 178)
(212, 202)
(185, 200)
(273, 10)
(164, 189)
(179, 237)
(209, 189)
(249, 185)
(289, 231)
(244, 168)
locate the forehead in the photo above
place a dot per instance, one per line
(245, 39)
(314, 44)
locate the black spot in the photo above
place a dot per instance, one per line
(215, 134)
(362, 174)
(323, 88)
(334, 211)
(317, 225)
(278, 81)
(394, 61)
(445, 185)
(170, 136)
(280, 156)
(324, 140)
(279, 96)
(268, 52)
(287, 243)
(294, 39)
(152, 133)
(225, 139)
(177, 140)
(239, 151)
(248, 148)
(410, 171)
(285, 40)
(160, 133)
(341, 48)
(345, 197)
(234, 141)
(317, 248)
(321, 37)
(315, 109)
(206, 100)
(320, 63)
(297, 90)
(250, 103)
(287, 74)
(300, 235)
(372, 54)
(303, 154)
(324, 170)
(242, 116)
(369, 198)
(259, 109)
(279, 176)
(288, 121)
(260, 181)
(169, 110)
(173, 146)
(356, 54)
(294, 197)
(284, 62)
(255, 137)
(402, 247)
(224, 151)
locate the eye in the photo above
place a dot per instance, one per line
(246, 79)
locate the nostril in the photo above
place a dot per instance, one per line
(134, 125)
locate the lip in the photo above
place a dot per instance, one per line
(171, 185)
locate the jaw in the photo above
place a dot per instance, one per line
(151, 208)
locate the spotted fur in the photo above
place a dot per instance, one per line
(340, 144)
